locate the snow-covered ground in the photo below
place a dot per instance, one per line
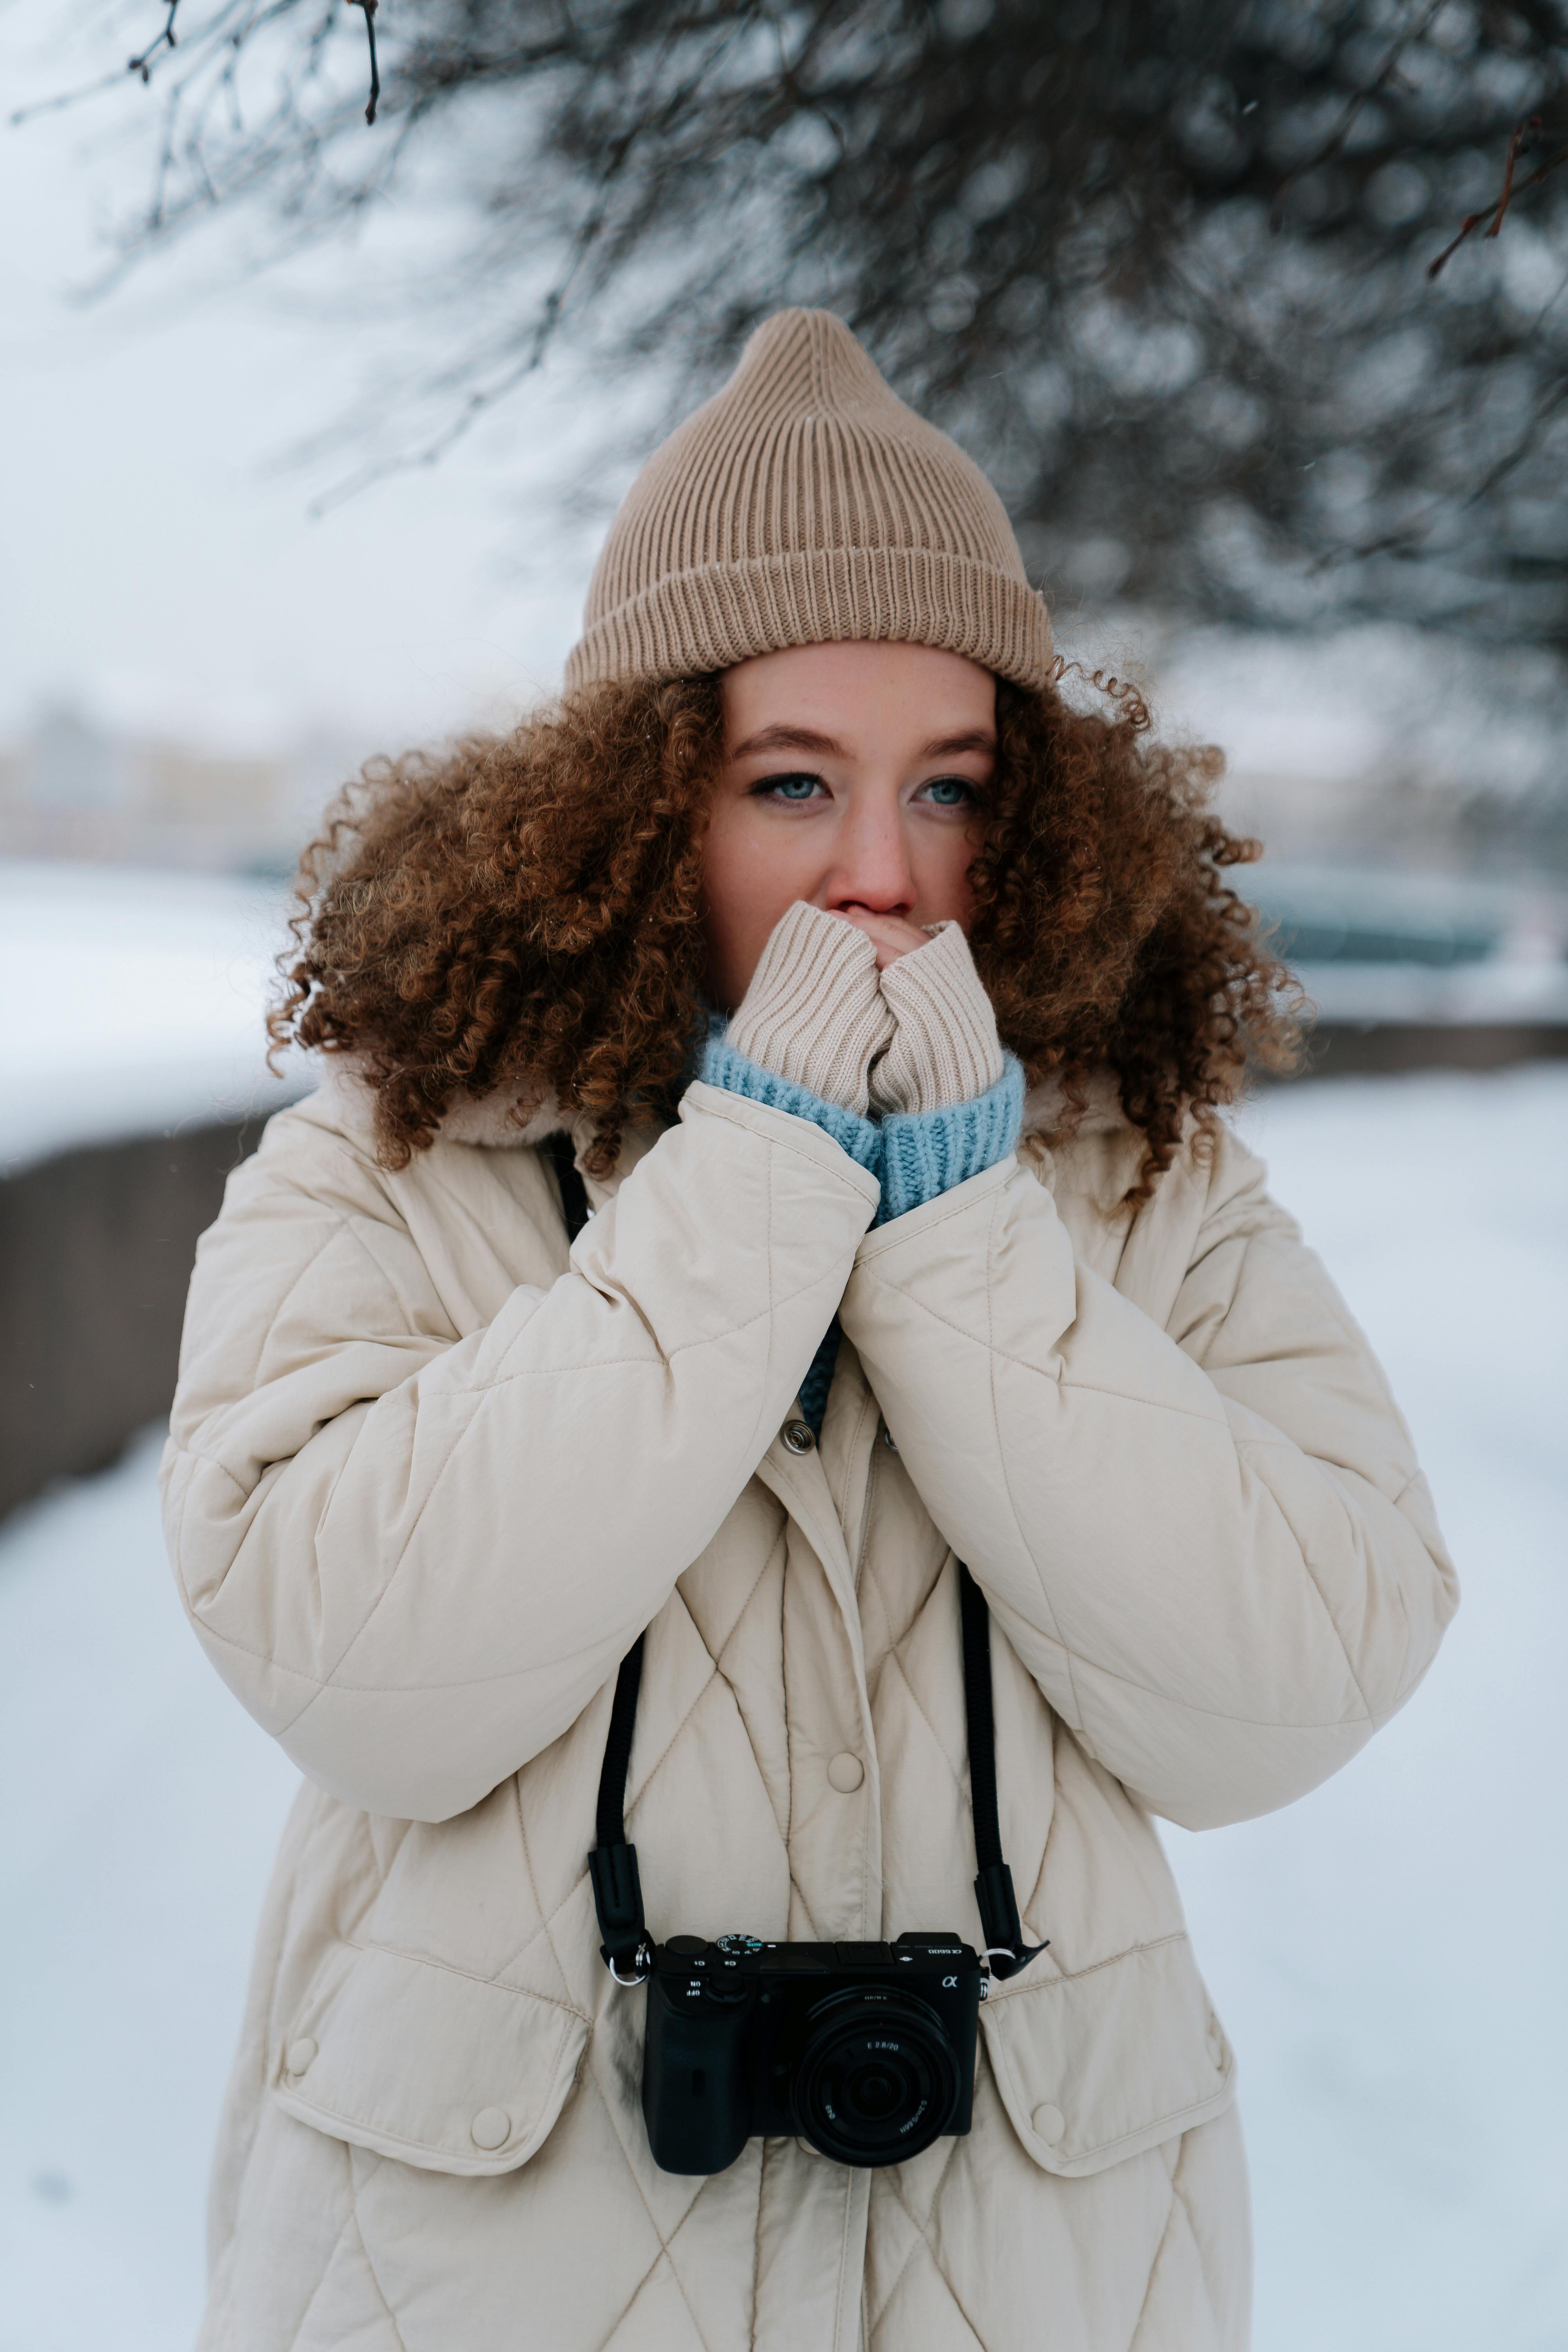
(133, 1002)
(139, 1806)
(1387, 1955)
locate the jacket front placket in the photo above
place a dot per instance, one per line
(827, 1703)
(813, 2215)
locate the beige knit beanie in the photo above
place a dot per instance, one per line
(805, 503)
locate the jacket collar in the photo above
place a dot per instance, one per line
(510, 1118)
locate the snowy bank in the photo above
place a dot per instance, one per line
(132, 1077)
(134, 1003)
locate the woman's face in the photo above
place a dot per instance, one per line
(853, 778)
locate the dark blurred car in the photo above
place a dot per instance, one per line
(1405, 969)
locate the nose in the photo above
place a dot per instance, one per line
(872, 868)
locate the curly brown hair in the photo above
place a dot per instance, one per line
(525, 913)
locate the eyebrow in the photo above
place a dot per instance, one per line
(788, 738)
(974, 739)
(805, 738)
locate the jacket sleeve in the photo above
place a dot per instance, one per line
(416, 1560)
(1208, 1538)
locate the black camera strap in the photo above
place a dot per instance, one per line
(562, 1155)
(999, 1920)
(613, 1864)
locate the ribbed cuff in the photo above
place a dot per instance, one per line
(928, 1152)
(944, 1049)
(723, 1066)
(814, 1013)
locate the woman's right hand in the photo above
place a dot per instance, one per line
(814, 1012)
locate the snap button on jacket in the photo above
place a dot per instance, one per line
(428, 1478)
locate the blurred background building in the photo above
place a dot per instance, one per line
(72, 786)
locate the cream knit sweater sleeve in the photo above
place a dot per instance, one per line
(814, 1013)
(944, 1049)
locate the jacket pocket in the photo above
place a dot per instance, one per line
(453, 2073)
(1096, 2067)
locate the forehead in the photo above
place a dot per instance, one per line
(852, 691)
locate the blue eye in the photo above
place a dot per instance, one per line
(790, 788)
(949, 791)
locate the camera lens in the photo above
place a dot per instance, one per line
(877, 2080)
(872, 2093)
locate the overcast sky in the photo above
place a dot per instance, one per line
(154, 565)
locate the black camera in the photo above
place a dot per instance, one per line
(865, 2049)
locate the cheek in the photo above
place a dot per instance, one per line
(749, 879)
(941, 862)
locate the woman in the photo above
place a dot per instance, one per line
(935, 1250)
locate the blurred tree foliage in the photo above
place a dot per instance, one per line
(1172, 268)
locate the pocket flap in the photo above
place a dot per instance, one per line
(1096, 2067)
(449, 2071)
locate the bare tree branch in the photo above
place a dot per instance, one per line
(369, 7)
(143, 65)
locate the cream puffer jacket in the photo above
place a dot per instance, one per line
(429, 1477)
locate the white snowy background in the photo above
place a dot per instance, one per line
(1387, 1955)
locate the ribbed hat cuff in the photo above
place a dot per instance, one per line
(709, 618)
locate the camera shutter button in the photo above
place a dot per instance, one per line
(845, 1773)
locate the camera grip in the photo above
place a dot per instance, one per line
(694, 2079)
